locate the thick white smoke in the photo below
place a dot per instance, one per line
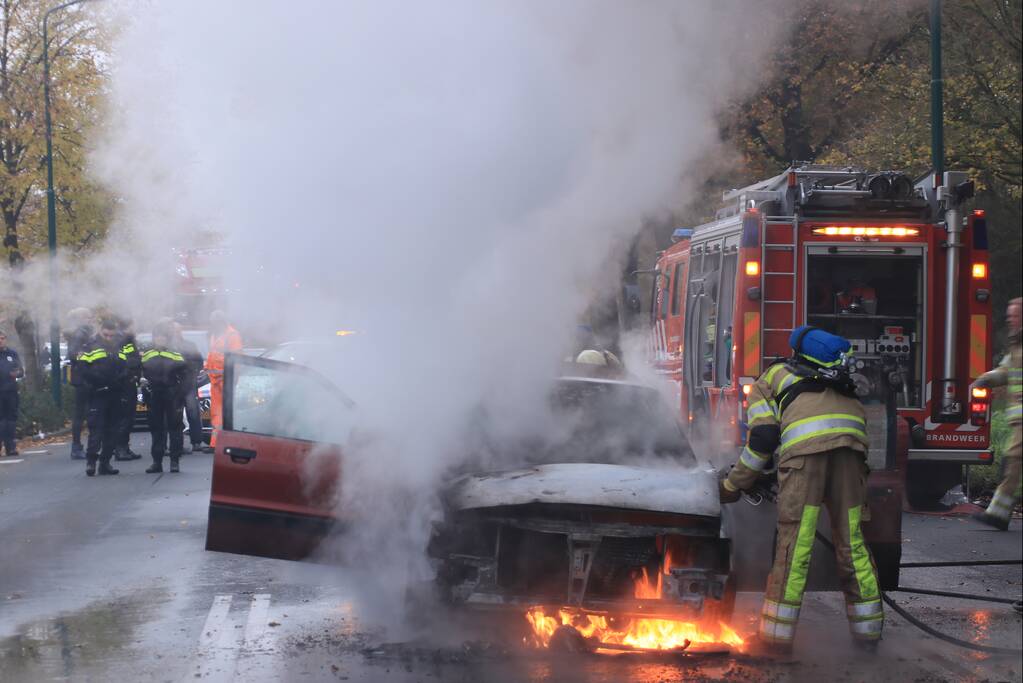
(451, 179)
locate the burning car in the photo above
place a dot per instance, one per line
(606, 524)
(614, 530)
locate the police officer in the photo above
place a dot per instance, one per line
(194, 360)
(1008, 374)
(11, 370)
(164, 370)
(129, 395)
(79, 340)
(806, 411)
(104, 374)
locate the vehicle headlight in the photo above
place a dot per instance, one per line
(182, 270)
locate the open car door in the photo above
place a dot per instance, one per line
(277, 467)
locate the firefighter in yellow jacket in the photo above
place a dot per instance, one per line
(806, 412)
(1008, 374)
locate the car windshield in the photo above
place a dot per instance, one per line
(596, 421)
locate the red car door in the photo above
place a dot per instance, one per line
(277, 467)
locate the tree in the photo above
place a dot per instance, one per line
(77, 79)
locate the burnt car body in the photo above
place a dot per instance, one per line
(581, 530)
(607, 510)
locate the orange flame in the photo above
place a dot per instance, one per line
(645, 633)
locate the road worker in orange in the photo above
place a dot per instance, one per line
(805, 413)
(223, 339)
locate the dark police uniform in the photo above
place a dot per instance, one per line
(10, 369)
(165, 371)
(104, 374)
(79, 341)
(194, 363)
(129, 398)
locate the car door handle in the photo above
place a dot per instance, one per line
(240, 456)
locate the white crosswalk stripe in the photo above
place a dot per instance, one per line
(222, 654)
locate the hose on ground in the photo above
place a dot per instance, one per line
(927, 629)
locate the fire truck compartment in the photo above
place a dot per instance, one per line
(874, 296)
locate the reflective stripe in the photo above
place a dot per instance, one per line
(776, 630)
(91, 356)
(128, 348)
(753, 460)
(818, 361)
(771, 372)
(760, 410)
(865, 576)
(789, 380)
(867, 630)
(834, 423)
(779, 611)
(153, 353)
(801, 555)
(1001, 506)
(861, 611)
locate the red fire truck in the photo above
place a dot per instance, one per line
(891, 264)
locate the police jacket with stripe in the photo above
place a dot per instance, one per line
(130, 350)
(79, 341)
(1009, 374)
(164, 369)
(103, 368)
(812, 422)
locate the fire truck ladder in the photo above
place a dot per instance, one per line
(791, 302)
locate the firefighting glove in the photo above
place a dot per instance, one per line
(727, 492)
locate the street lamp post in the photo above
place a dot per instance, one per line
(51, 207)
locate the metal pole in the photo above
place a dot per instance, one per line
(937, 103)
(51, 209)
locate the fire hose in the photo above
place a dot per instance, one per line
(764, 491)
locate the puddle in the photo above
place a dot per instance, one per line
(86, 640)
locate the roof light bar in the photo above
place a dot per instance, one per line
(863, 231)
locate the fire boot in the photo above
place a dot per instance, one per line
(156, 467)
(991, 520)
(174, 465)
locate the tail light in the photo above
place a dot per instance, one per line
(980, 406)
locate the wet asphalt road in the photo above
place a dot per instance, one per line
(106, 579)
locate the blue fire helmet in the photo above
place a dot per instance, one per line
(818, 346)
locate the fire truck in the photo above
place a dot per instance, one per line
(895, 266)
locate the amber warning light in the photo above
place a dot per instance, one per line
(863, 231)
(979, 271)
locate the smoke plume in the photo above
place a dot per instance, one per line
(452, 180)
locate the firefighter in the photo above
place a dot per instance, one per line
(130, 389)
(11, 370)
(104, 375)
(806, 410)
(164, 371)
(79, 339)
(1007, 374)
(223, 339)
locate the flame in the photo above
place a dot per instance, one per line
(645, 633)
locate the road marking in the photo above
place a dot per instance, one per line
(257, 641)
(34, 452)
(217, 644)
(11, 462)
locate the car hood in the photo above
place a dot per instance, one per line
(689, 491)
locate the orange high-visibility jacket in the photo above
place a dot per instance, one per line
(229, 340)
